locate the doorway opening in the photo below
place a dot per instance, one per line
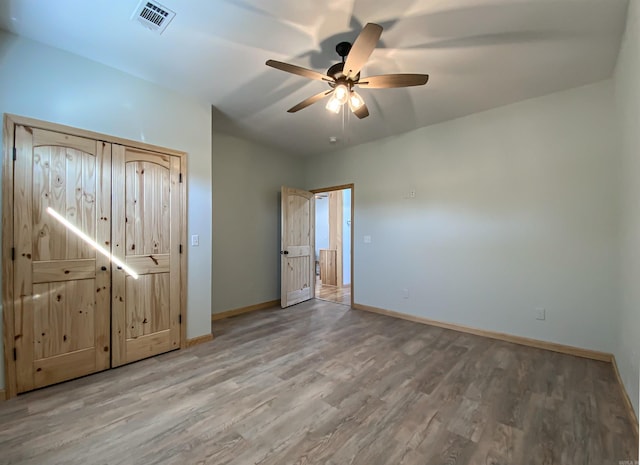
(334, 244)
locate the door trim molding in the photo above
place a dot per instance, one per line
(10, 121)
(10, 381)
(183, 243)
(24, 121)
(353, 196)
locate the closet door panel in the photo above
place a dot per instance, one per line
(146, 228)
(61, 221)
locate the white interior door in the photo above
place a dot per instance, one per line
(297, 247)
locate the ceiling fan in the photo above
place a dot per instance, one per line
(342, 77)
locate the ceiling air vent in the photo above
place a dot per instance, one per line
(153, 16)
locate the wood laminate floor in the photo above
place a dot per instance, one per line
(319, 383)
(340, 295)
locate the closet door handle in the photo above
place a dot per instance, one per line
(103, 268)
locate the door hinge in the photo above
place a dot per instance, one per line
(15, 154)
(180, 177)
(13, 253)
(15, 354)
(179, 319)
(180, 248)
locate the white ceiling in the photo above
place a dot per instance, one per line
(479, 54)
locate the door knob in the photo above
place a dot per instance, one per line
(286, 252)
(103, 268)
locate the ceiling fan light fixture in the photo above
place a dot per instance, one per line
(355, 101)
(334, 105)
(341, 93)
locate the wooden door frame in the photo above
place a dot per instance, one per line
(353, 192)
(8, 133)
(336, 233)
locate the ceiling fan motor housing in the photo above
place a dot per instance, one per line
(336, 72)
(343, 49)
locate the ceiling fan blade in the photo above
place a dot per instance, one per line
(309, 101)
(362, 49)
(393, 80)
(304, 72)
(362, 111)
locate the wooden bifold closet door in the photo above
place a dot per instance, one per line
(97, 272)
(146, 237)
(62, 190)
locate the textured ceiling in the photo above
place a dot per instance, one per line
(479, 54)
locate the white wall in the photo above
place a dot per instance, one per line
(515, 208)
(627, 90)
(48, 84)
(246, 220)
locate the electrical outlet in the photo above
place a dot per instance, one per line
(367, 239)
(405, 293)
(541, 313)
